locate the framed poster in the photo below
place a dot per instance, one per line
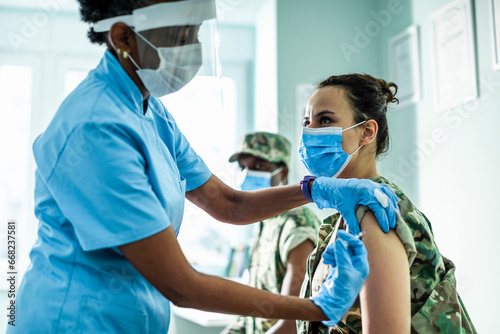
(405, 65)
(495, 24)
(454, 59)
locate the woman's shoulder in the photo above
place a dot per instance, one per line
(406, 206)
(383, 180)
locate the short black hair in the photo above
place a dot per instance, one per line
(92, 11)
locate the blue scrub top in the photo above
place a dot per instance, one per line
(107, 175)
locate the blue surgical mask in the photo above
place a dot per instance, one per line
(321, 151)
(256, 179)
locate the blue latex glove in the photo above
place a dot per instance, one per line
(345, 194)
(349, 261)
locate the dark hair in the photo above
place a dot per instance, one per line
(92, 11)
(368, 97)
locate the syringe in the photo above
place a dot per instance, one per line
(357, 236)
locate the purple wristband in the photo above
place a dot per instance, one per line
(304, 185)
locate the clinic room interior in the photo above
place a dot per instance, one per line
(443, 133)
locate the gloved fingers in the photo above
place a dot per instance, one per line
(388, 213)
(329, 255)
(391, 215)
(392, 207)
(381, 215)
(392, 196)
(355, 244)
(342, 256)
(352, 222)
(329, 323)
(358, 255)
(330, 280)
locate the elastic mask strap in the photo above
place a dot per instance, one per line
(356, 150)
(346, 162)
(129, 56)
(148, 42)
(355, 125)
(277, 171)
(133, 62)
(145, 40)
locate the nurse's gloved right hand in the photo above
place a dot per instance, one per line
(349, 261)
(345, 194)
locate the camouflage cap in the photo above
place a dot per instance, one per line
(265, 145)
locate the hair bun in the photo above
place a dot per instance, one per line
(389, 89)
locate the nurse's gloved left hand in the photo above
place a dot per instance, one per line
(349, 261)
(345, 194)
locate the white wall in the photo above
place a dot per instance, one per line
(457, 174)
(309, 35)
(459, 179)
(266, 89)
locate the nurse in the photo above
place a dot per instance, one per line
(113, 173)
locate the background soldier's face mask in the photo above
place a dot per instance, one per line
(256, 179)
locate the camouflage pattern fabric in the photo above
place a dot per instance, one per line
(436, 306)
(275, 239)
(265, 145)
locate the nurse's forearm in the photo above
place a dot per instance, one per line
(220, 295)
(160, 260)
(245, 207)
(253, 206)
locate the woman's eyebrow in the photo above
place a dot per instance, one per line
(324, 112)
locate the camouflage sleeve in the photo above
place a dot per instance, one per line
(238, 327)
(402, 230)
(297, 229)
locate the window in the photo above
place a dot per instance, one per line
(212, 132)
(72, 78)
(15, 147)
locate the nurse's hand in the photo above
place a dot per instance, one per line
(345, 194)
(349, 261)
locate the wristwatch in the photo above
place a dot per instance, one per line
(304, 185)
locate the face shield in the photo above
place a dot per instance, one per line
(175, 41)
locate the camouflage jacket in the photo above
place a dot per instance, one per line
(436, 306)
(275, 238)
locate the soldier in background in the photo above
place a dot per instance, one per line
(282, 243)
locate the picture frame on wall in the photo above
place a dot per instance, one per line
(495, 25)
(405, 65)
(454, 57)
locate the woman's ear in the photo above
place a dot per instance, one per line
(284, 174)
(280, 177)
(122, 38)
(369, 134)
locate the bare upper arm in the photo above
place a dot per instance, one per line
(296, 268)
(385, 296)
